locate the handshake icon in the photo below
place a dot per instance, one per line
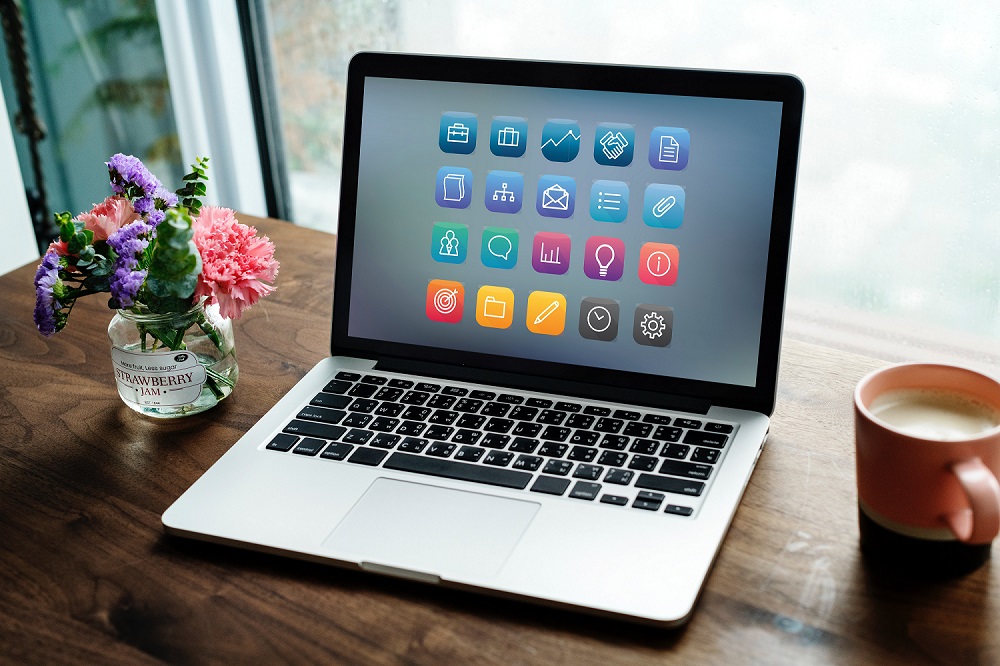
(613, 145)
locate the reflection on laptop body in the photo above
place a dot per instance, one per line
(559, 292)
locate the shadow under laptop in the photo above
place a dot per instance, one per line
(493, 609)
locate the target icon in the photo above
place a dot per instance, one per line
(444, 301)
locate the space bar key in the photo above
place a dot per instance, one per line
(455, 470)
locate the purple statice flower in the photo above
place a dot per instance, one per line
(155, 217)
(128, 243)
(168, 198)
(46, 304)
(144, 205)
(128, 170)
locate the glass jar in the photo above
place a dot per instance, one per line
(171, 365)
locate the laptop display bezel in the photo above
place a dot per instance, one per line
(782, 88)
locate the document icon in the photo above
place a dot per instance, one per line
(556, 196)
(669, 147)
(494, 307)
(454, 187)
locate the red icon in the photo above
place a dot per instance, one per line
(658, 264)
(445, 300)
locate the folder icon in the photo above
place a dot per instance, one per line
(494, 309)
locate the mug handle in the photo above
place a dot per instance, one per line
(981, 523)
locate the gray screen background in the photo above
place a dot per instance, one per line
(722, 243)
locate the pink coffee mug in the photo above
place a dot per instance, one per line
(921, 487)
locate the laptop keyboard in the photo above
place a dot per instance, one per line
(648, 460)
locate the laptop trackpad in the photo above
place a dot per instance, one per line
(437, 531)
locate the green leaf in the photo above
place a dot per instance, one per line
(66, 226)
(175, 264)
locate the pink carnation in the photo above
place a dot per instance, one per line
(235, 262)
(108, 217)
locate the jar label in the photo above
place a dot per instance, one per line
(158, 379)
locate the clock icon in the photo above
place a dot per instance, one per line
(599, 319)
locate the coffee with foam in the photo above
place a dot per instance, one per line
(934, 414)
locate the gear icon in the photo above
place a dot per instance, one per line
(652, 325)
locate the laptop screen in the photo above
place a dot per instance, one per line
(609, 230)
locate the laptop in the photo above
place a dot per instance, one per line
(557, 317)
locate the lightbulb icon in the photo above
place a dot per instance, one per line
(604, 255)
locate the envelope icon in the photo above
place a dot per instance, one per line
(555, 198)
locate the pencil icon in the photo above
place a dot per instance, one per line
(544, 314)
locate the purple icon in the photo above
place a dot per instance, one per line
(551, 253)
(604, 258)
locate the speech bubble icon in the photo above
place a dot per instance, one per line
(500, 246)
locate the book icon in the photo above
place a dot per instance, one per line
(454, 187)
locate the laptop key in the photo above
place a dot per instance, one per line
(656, 419)
(667, 433)
(645, 446)
(551, 417)
(702, 438)
(384, 424)
(414, 413)
(366, 456)
(471, 421)
(678, 510)
(450, 469)
(524, 445)
(527, 463)
(560, 467)
(321, 414)
(495, 440)
(282, 442)
(348, 376)
(552, 450)
(439, 401)
(707, 456)
(589, 472)
(643, 463)
(454, 390)
(413, 444)
(499, 425)
(414, 397)
(540, 403)
(389, 409)
(687, 423)
(443, 417)
(585, 437)
(374, 379)
(467, 436)
(495, 409)
(550, 485)
(597, 411)
(621, 477)
(675, 451)
(336, 451)
(526, 429)
(438, 432)
(719, 427)
(384, 440)
(608, 425)
(690, 470)
(330, 400)
(556, 433)
(356, 420)
(613, 458)
(498, 458)
(363, 390)
(428, 387)
(617, 500)
(523, 413)
(358, 436)
(670, 484)
(363, 405)
(579, 421)
(585, 490)
(468, 405)
(411, 428)
(312, 429)
(483, 395)
(440, 449)
(401, 383)
(568, 406)
(636, 429)
(648, 501)
(510, 399)
(582, 453)
(627, 415)
(616, 442)
(470, 453)
(390, 394)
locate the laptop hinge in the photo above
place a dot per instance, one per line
(621, 394)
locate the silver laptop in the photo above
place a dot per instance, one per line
(557, 317)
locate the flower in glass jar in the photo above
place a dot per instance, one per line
(236, 263)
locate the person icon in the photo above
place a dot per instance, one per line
(449, 244)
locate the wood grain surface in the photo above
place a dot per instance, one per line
(87, 574)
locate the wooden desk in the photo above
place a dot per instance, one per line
(87, 574)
